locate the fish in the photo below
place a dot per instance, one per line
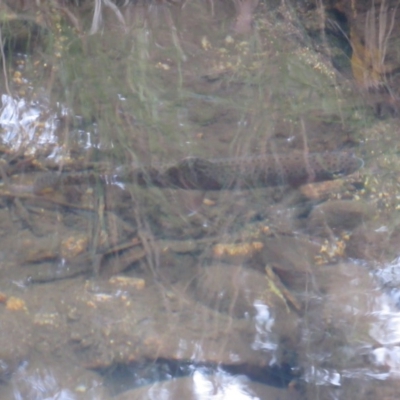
(242, 173)
(293, 169)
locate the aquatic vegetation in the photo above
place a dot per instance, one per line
(369, 60)
(98, 15)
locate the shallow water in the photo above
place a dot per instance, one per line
(107, 286)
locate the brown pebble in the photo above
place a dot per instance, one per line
(3, 298)
(127, 281)
(15, 304)
(321, 190)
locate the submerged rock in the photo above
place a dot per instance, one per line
(230, 289)
(375, 241)
(339, 215)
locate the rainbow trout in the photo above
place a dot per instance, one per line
(246, 172)
(195, 173)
